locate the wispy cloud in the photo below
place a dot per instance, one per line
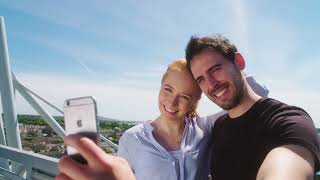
(240, 21)
(120, 102)
(77, 50)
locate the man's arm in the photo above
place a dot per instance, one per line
(292, 162)
(100, 165)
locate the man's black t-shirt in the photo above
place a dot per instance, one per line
(241, 144)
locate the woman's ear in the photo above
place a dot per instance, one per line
(240, 61)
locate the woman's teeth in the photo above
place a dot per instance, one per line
(169, 110)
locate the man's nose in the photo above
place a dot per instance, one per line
(211, 83)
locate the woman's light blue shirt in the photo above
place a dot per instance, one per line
(149, 160)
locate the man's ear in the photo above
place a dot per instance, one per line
(240, 61)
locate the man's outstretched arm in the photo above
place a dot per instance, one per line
(100, 165)
(292, 162)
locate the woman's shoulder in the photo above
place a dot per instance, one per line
(139, 128)
(208, 121)
(135, 136)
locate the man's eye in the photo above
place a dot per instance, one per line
(213, 70)
(168, 89)
(199, 81)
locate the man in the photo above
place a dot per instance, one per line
(258, 138)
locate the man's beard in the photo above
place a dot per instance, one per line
(238, 95)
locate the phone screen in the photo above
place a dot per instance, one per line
(80, 117)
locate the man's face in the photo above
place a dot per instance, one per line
(218, 78)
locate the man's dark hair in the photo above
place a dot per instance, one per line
(216, 43)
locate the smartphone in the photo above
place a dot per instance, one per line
(80, 117)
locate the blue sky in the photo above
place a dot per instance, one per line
(118, 50)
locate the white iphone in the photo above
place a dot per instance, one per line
(80, 117)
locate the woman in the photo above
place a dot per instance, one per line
(168, 146)
(164, 148)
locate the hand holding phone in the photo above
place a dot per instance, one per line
(80, 117)
(100, 164)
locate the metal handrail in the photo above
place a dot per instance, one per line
(33, 163)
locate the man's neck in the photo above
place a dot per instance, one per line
(248, 100)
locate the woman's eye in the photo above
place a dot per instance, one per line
(186, 98)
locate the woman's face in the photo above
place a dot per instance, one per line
(178, 93)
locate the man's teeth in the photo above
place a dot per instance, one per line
(220, 93)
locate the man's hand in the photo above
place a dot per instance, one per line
(100, 165)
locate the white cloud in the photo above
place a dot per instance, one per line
(119, 102)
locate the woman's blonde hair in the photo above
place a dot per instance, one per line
(180, 65)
